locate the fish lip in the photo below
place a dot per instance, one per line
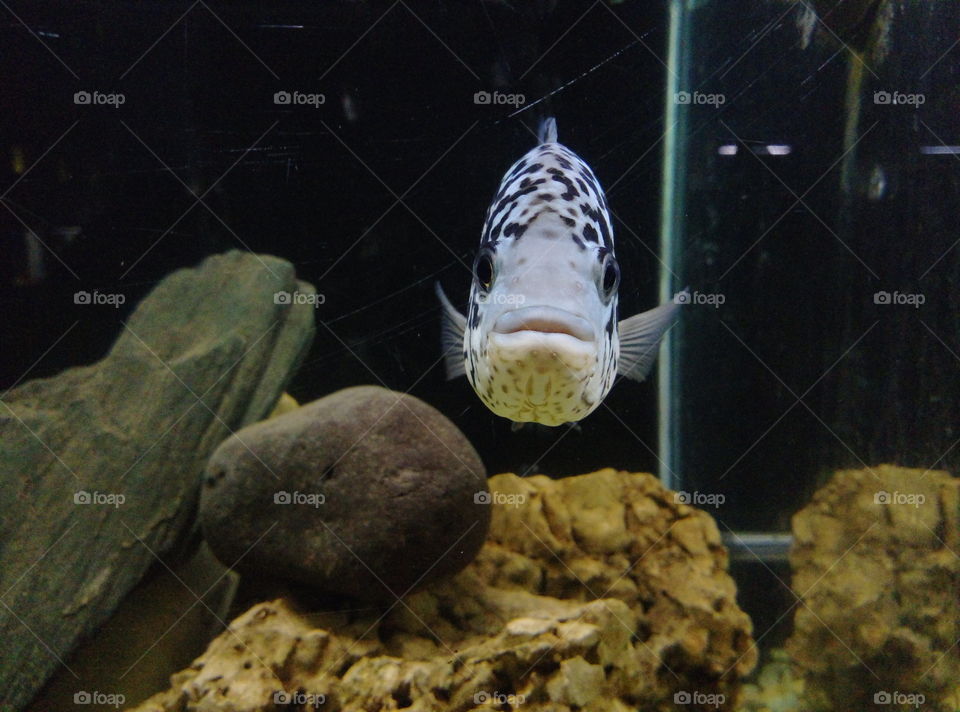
(544, 320)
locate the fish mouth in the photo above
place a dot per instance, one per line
(544, 320)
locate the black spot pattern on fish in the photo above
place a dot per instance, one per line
(590, 211)
(571, 191)
(553, 185)
(606, 233)
(588, 176)
(495, 232)
(512, 197)
(517, 169)
(515, 230)
(546, 174)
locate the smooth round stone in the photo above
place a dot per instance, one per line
(366, 493)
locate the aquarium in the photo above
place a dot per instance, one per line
(480, 355)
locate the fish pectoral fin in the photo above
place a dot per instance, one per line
(640, 338)
(452, 327)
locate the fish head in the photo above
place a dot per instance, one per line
(542, 329)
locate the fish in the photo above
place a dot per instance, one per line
(540, 341)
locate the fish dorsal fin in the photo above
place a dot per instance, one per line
(640, 338)
(452, 326)
(547, 133)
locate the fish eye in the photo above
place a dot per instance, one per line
(483, 269)
(611, 276)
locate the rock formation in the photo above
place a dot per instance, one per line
(365, 492)
(597, 592)
(102, 463)
(876, 564)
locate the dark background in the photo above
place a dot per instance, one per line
(876, 383)
(319, 188)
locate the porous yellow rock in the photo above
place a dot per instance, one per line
(875, 562)
(596, 592)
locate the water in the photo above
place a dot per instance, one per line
(748, 150)
(800, 242)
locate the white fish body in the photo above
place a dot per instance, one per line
(541, 342)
